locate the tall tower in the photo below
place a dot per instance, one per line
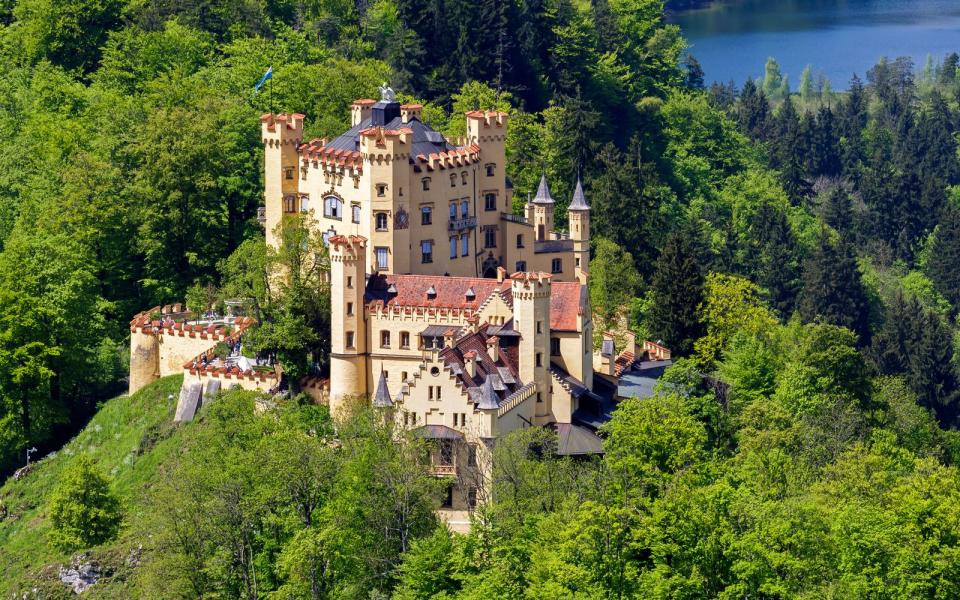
(348, 326)
(281, 135)
(531, 318)
(543, 210)
(579, 217)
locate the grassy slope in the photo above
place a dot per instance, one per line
(129, 437)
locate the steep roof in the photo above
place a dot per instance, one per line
(543, 192)
(568, 299)
(382, 398)
(579, 201)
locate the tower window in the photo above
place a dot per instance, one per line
(463, 178)
(491, 168)
(425, 182)
(453, 247)
(426, 251)
(521, 266)
(555, 346)
(332, 207)
(464, 208)
(348, 339)
(288, 172)
(471, 453)
(382, 258)
(556, 265)
(490, 201)
(404, 343)
(490, 238)
(289, 204)
(453, 211)
(472, 498)
(349, 309)
(539, 362)
(384, 339)
(381, 190)
(356, 213)
(519, 240)
(349, 281)
(381, 221)
(539, 326)
(426, 215)
(465, 244)
(453, 180)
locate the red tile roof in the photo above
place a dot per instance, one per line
(567, 298)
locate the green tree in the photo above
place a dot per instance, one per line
(68, 33)
(83, 510)
(427, 570)
(731, 306)
(677, 290)
(772, 79)
(832, 289)
(613, 282)
(806, 85)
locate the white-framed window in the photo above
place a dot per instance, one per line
(426, 251)
(404, 343)
(490, 201)
(304, 203)
(453, 247)
(382, 221)
(556, 265)
(333, 207)
(383, 257)
(426, 215)
(465, 244)
(355, 209)
(385, 339)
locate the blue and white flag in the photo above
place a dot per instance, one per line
(266, 76)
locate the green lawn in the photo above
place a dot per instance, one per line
(128, 438)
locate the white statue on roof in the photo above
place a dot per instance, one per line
(387, 94)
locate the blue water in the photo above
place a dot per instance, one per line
(733, 38)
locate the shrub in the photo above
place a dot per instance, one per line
(83, 510)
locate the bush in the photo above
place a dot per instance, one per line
(83, 510)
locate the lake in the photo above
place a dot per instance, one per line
(733, 38)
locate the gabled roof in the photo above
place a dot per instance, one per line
(488, 397)
(382, 398)
(543, 192)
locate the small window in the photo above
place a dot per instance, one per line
(349, 339)
(576, 262)
(464, 208)
(463, 178)
(403, 374)
(556, 265)
(490, 238)
(464, 244)
(332, 207)
(472, 498)
(539, 397)
(385, 339)
(349, 281)
(519, 240)
(491, 169)
(490, 201)
(426, 215)
(381, 190)
(404, 343)
(349, 309)
(521, 266)
(539, 326)
(472, 455)
(288, 172)
(453, 211)
(425, 182)
(303, 173)
(382, 258)
(448, 498)
(456, 419)
(539, 358)
(453, 247)
(381, 221)
(453, 180)
(356, 213)
(426, 251)
(289, 204)
(554, 346)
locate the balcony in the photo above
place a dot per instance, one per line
(513, 218)
(461, 224)
(441, 470)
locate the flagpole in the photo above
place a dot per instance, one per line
(271, 89)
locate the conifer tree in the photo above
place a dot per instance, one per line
(943, 264)
(677, 291)
(83, 510)
(832, 290)
(836, 212)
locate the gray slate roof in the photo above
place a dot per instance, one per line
(425, 139)
(543, 192)
(488, 397)
(579, 200)
(382, 398)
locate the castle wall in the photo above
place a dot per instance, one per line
(144, 360)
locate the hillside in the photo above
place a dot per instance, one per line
(129, 438)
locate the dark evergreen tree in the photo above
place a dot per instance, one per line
(677, 290)
(825, 145)
(692, 73)
(778, 264)
(836, 212)
(754, 114)
(832, 289)
(943, 264)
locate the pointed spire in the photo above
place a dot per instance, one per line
(543, 192)
(382, 398)
(579, 200)
(488, 397)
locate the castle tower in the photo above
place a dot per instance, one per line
(144, 358)
(281, 135)
(348, 327)
(531, 319)
(360, 110)
(579, 218)
(543, 210)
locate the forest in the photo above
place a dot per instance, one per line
(799, 252)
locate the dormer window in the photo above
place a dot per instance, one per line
(471, 295)
(431, 293)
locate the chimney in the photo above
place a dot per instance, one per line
(501, 274)
(493, 349)
(410, 111)
(448, 338)
(470, 362)
(360, 110)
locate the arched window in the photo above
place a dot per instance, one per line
(356, 213)
(333, 207)
(453, 180)
(381, 221)
(426, 183)
(463, 178)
